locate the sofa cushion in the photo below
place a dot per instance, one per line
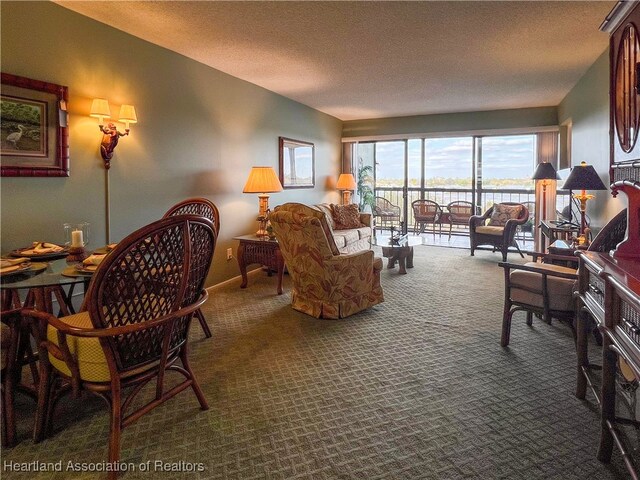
(487, 230)
(344, 237)
(364, 232)
(346, 216)
(503, 213)
(526, 287)
(328, 213)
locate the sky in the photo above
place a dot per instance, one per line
(503, 157)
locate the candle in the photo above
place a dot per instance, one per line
(76, 238)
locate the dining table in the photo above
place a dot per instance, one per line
(42, 288)
(35, 286)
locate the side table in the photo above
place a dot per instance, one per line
(399, 251)
(262, 250)
(553, 232)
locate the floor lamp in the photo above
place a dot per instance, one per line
(545, 172)
(583, 177)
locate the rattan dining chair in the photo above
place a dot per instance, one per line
(203, 208)
(142, 298)
(197, 206)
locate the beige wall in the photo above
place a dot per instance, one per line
(586, 107)
(452, 122)
(199, 133)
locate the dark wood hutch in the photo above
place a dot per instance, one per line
(609, 285)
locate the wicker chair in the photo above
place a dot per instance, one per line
(500, 237)
(141, 301)
(547, 289)
(529, 225)
(197, 206)
(459, 213)
(8, 341)
(385, 212)
(424, 212)
(15, 353)
(203, 208)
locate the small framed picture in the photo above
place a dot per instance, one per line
(297, 163)
(34, 136)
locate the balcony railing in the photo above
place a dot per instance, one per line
(444, 196)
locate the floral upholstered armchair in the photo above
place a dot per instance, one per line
(325, 283)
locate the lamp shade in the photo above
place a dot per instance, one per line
(583, 177)
(128, 114)
(262, 180)
(100, 108)
(545, 171)
(346, 182)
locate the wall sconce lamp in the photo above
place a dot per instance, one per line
(111, 135)
(347, 184)
(262, 180)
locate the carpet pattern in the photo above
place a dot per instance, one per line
(415, 388)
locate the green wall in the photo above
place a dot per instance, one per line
(586, 107)
(452, 122)
(199, 133)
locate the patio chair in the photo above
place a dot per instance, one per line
(425, 212)
(386, 212)
(459, 213)
(500, 230)
(134, 331)
(530, 225)
(546, 289)
(203, 208)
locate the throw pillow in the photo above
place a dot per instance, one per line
(346, 216)
(502, 213)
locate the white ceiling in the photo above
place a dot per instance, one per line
(356, 60)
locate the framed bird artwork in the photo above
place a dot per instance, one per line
(34, 136)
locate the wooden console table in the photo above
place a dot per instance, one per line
(609, 292)
(262, 250)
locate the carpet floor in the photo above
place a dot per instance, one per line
(415, 388)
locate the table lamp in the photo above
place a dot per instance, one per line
(262, 180)
(347, 184)
(545, 172)
(583, 177)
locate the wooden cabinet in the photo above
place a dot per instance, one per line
(609, 292)
(624, 58)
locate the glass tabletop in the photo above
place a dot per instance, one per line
(52, 276)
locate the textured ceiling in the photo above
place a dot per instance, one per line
(356, 60)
